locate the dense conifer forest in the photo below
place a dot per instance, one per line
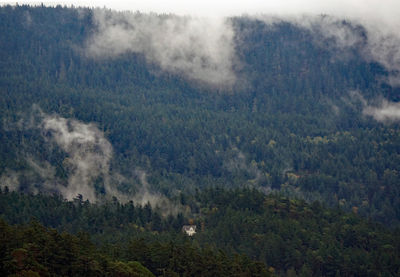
(286, 171)
(241, 231)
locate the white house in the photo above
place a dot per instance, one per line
(190, 230)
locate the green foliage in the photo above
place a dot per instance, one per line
(33, 250)
(295, 237)
(129, 269)
(240, 231)
(109, 217)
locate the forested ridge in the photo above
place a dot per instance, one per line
(240, 231)
(294, 124)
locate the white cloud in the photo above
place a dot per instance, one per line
(381, 110)
(198, 48)
(386, 111)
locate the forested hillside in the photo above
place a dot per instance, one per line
(293, 121)
(240, 231)
(282, 145)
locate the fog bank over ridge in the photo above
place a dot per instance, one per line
(201, 44)
(199, 48)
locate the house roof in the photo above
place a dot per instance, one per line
(189, 229)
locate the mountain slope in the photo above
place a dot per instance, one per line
(298, 119)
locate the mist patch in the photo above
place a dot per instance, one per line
(200, 49)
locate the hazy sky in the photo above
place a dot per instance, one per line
(380, 9)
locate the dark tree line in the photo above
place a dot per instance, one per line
(33, 250)
(239, 231)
